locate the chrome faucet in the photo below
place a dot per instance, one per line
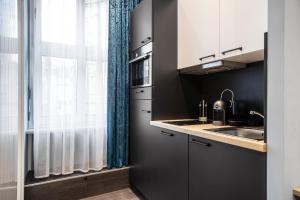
(256, 113)
(232, 102)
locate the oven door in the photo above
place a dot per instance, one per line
(141, 71)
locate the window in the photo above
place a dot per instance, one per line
(69, 44)
(69, 47)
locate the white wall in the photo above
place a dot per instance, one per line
(283, 99)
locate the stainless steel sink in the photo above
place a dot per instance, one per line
(250, 133)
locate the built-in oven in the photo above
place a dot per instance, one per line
(141, 66)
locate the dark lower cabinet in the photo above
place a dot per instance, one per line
(169, 166)
(220, 171)
(140, 146)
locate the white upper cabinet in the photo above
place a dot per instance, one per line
(221, 29)
(198, 32)
(242, 27)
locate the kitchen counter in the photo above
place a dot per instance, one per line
(198, 130)
(296, 191)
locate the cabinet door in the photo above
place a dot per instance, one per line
(141, 25)
(198, 32)
(170, 165)
(140, 146)
(220, 171)
(242, 28)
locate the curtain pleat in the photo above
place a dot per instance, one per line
(118, 82)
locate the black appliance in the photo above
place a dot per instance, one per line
(141, 66)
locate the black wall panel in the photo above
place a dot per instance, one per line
(247, 85)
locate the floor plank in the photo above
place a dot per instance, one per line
(124, 194)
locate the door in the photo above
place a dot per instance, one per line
(242, 28)
(141, 25)
(169, 165)
(220, 171)
(140, 145)
(11, 103)
(198, 32)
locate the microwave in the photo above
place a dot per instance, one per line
(140, 66)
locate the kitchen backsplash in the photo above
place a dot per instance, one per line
(247, 85)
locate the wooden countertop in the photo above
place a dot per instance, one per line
(198, 130)
(296, 191)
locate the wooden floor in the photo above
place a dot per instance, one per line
(125, 194)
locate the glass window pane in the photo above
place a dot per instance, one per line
(59, 79)
(92, 79)
(59, 21)
(91, 19)
(8, 18)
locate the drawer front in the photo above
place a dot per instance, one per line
(141, 93)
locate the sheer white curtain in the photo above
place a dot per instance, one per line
(69, 80)
(8, 98)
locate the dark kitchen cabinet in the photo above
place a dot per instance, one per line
(141, 24)
(169, 165)
(221, 171)
(140, 145)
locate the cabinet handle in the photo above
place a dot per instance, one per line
(137, 59)
(166, 133)
(146, 40)
(147, 111)
(239, 48)
(141, 91)
(200, 142)
(202, 58)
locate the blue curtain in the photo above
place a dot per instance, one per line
(118, 82)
